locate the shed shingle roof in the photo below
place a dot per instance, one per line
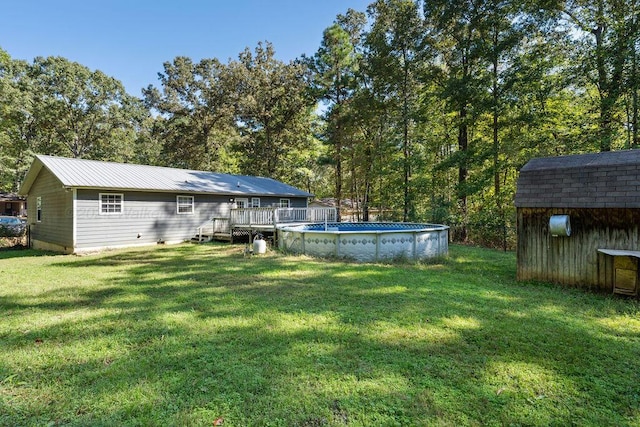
(600, 180)
(79, 173)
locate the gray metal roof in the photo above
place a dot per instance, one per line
(80, 173)
(599, 180)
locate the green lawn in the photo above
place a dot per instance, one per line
(198, 335)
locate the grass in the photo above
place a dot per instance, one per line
(198, 335)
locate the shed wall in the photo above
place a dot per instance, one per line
(574, 260)
(56, 225)
(151, 216)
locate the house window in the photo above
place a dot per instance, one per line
(285, 203)
(39, 209)
(255, 202)
(242, 203)
(185, 204)
(111, 204)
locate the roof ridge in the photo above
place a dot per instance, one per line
(101, 174)
(153, 166)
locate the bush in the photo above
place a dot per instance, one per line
(13, 242)
(490, 229)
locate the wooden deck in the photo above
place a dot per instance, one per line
(249, 221)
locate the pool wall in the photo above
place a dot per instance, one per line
(367, 241)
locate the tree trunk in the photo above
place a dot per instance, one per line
(496, 142)
(338, 161)
(365, 201)
(634, 98)
(406, 151)
(338, 146)
(463, 144)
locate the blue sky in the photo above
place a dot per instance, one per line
(130, 39)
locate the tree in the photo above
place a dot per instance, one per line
(78, 109)
(196, 104)
(335, 65)
(273, 112)
(606, 34)
(54, 106)
(454, 31)
(394, 45)
(16, 122)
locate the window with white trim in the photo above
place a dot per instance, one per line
(255, 202)
(111, 204)
(39, 209)
(185, 204)
(285, 203)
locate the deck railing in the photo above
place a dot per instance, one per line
(215, 227)
(243, 217)
(274, 216)
(221, 226)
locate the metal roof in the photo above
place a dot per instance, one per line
(80, 173)
(599, 180)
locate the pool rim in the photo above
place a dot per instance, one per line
(301, 228)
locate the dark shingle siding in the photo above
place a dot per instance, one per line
(602, 180)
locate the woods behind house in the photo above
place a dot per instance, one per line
(410, 110)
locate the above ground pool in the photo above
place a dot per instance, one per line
(367, 241)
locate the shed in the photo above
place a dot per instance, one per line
(76, 205)
(578, 220)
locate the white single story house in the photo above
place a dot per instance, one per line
(76, 205)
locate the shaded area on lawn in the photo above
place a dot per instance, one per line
(187, 334)
(20, 251)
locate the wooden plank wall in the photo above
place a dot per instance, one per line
(574, 260)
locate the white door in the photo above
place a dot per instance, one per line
(242, 216)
